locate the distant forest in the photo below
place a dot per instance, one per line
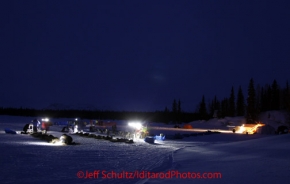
(259, 99)
(157, 116)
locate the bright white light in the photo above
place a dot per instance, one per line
(248, 129)
(76, 119)
(45, 119)
(58, 143)
(241, 130)
(45, 144)
(61, 139)
(136, 125)
(76, 129)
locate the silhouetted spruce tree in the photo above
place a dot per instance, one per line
(266, 96)
(251, 116)
(269, 98)
(258, 99)
(179, 111)
(214, 107)
(218, 109)
(287, 102)
(240, 103)
(174, 111)
(174, 106)
(275, 96)
(210, 108)
(202, 109)
(179, 106)
(285, 97)
(166, 115)
(232, 108)
(166, 109)
(225, 107)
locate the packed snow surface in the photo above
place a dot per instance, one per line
(237, 158)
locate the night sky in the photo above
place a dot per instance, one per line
(139, 55)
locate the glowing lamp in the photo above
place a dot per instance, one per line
(136, 125)
(45, 119)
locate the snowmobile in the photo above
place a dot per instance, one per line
(33, 127)
(69, 126)
(36, 126)
(74, 126)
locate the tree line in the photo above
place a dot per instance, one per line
(259, 99)
(157, 116)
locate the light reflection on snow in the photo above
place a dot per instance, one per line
(45, 144)
(191, 130)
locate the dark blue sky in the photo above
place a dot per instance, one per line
(138, 55)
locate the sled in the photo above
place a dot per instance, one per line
(160, 137)
(9, 131)
(149, 139)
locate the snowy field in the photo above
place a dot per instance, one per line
(231, 158)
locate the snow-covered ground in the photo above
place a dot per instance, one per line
(236, 158)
